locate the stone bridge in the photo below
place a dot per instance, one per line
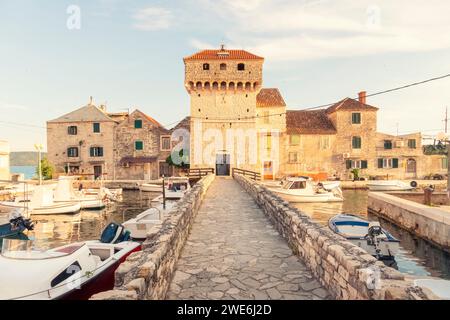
(234, 239)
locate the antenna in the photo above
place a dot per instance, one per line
(446, 119)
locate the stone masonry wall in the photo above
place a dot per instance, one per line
(147, 274)
(347, 271)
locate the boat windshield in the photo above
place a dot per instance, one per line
(298, 185)
(27, 250)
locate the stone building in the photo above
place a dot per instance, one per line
(143, 146)
(4, 160)
(82, 142)
(226, 95)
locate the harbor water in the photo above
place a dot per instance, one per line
(416, 256)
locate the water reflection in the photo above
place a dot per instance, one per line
(416, 256)
(56, 230)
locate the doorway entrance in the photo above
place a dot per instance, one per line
(411, 167)
(97, 172)
(268, 170)
(223, 164)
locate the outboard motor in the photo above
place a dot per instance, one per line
(17, 221)
(114, 233)
(374, 236)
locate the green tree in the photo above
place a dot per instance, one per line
(355, 174)
(47, 169)
(184, 160)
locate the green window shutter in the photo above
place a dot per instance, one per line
(348, 164)
(138, 145)
(138, 124)
(412, 143)
(380, 163)
(395, 163)
(96, 127)
(356, 142)
(91, 151)
(364, 164)
(356, 118)
(387, 144)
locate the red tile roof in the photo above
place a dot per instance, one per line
(224, 54)
(350, 104)
(309, 122)
(270, 97)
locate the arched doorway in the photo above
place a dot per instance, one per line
(411, 167)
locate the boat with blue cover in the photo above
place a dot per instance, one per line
(368, 235)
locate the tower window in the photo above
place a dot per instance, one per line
(223, 66)
(206, 66)
(241, 67)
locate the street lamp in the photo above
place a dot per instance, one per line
(445, 139)
(39, 147)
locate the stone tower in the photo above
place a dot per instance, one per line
(223, 85)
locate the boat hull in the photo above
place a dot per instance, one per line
(7, 230)
(151, 188)
(321, 197)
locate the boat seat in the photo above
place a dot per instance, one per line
(96, 259)
(102, 253)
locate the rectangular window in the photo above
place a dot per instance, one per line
(72, 152)
(293, 157)
(96, 127)
(72, 130)
(138, 124)
(356, 118)
(138, 145)
(165, 143)
(96, 152)
(295, 139)
(356, 164)
(356, 142)
(444, 163)
(412, 143)
(387, 144)
(324, 143)
(388, 163)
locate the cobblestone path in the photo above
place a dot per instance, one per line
(233, 252)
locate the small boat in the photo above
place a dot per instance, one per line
(104, 193)
(439, 287)
(327, 185)
(41, 203)
(300, 189)
(65, 192)
(73, 271)
(391, 185)
(14, 224)
(141, 224)
(367, 235)
(150, 187)
(176, 188)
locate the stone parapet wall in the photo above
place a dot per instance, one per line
(147, 274)
(347, 271)
(429, 223)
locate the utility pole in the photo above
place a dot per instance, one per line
(39, 148)
(446, 119)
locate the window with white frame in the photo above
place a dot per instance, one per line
(324, 143)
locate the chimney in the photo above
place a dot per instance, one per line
(362, 97)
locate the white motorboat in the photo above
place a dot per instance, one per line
(327, 185)
(65, 192)
(439, 287)
(41, 203)
(104, 193)
(150, 187)
(176, 188)
(304, 190)
(390, 185)
(369, 236)
(73, 271)
(141, 224)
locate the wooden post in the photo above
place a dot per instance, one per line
(164, 192)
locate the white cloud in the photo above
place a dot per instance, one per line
(300, 30)
(152, 18)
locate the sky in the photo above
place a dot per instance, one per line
(128, 54)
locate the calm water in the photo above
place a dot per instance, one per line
(416, 256)
(56, 230)
(28, 171)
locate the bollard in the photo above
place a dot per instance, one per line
(428, 192)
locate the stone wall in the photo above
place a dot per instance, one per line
(147, 274)
(429, 223)
(346, 270)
